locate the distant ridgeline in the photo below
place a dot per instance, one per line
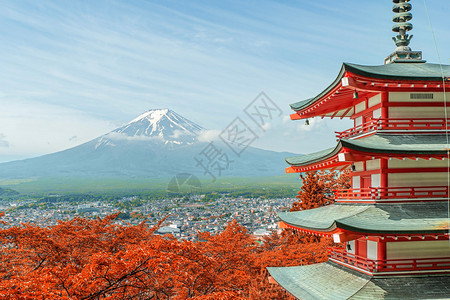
(157, 144)
(6, 192)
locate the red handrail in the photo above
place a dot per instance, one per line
(392, 192)
(362, 262)
(414, 124)
(364, 193)
(396, 124)
(363, 128)
(390, 265)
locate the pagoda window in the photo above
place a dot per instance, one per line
(421, 96)
(417, 249)
(372, 250)
(350, 246)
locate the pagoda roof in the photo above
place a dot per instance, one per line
(419, 144)
(394, 71)
(332, 281)
(412, 218)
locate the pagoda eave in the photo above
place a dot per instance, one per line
(342, 233)
(388, 146)
(337, 100)
(375, 220)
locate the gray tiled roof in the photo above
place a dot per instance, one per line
(379, 218)
(433, 287)
(308, 158)
(319, 281)
(332, 281)
(380, 143)
(410, 71)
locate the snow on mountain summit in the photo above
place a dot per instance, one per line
(153, 115)
(164, 125)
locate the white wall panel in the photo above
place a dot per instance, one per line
(373, 165)
(372, 250)
(421, 163)
(377, 113)
(405, 97)
(417, 179)
(417, 112)
(375, 100)
(359, 166)
(360, 107)
(358, 121)
(375, 180)
(356, 182)
(419, 249)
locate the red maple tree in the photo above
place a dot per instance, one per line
(98, 259)
(317, 188)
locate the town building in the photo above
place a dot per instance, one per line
(394, 221)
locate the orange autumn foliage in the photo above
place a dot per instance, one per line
(98, 259)
(317, 189)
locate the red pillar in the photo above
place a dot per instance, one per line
(384, 162)
(381, 253)
(383, 176)
(384, 108)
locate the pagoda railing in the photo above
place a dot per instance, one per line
(375, 193)
(396, 124)
(369, 126)
(389, 265)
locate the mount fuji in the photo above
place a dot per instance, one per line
(159, 143)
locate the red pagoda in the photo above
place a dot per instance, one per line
(394, 221)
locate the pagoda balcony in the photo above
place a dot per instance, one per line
(396, 125)
(400, 266)
(377, 193)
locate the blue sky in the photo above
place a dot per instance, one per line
(74, 70)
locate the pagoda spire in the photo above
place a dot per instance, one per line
(403, 52)
(401, 17)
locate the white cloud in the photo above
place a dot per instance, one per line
(209, 135)
(286, 119)
(266, 126)
(117, 136)
(177, 133)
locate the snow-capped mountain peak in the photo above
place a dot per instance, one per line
(157, 144)
(158, 125)
(153, 115)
